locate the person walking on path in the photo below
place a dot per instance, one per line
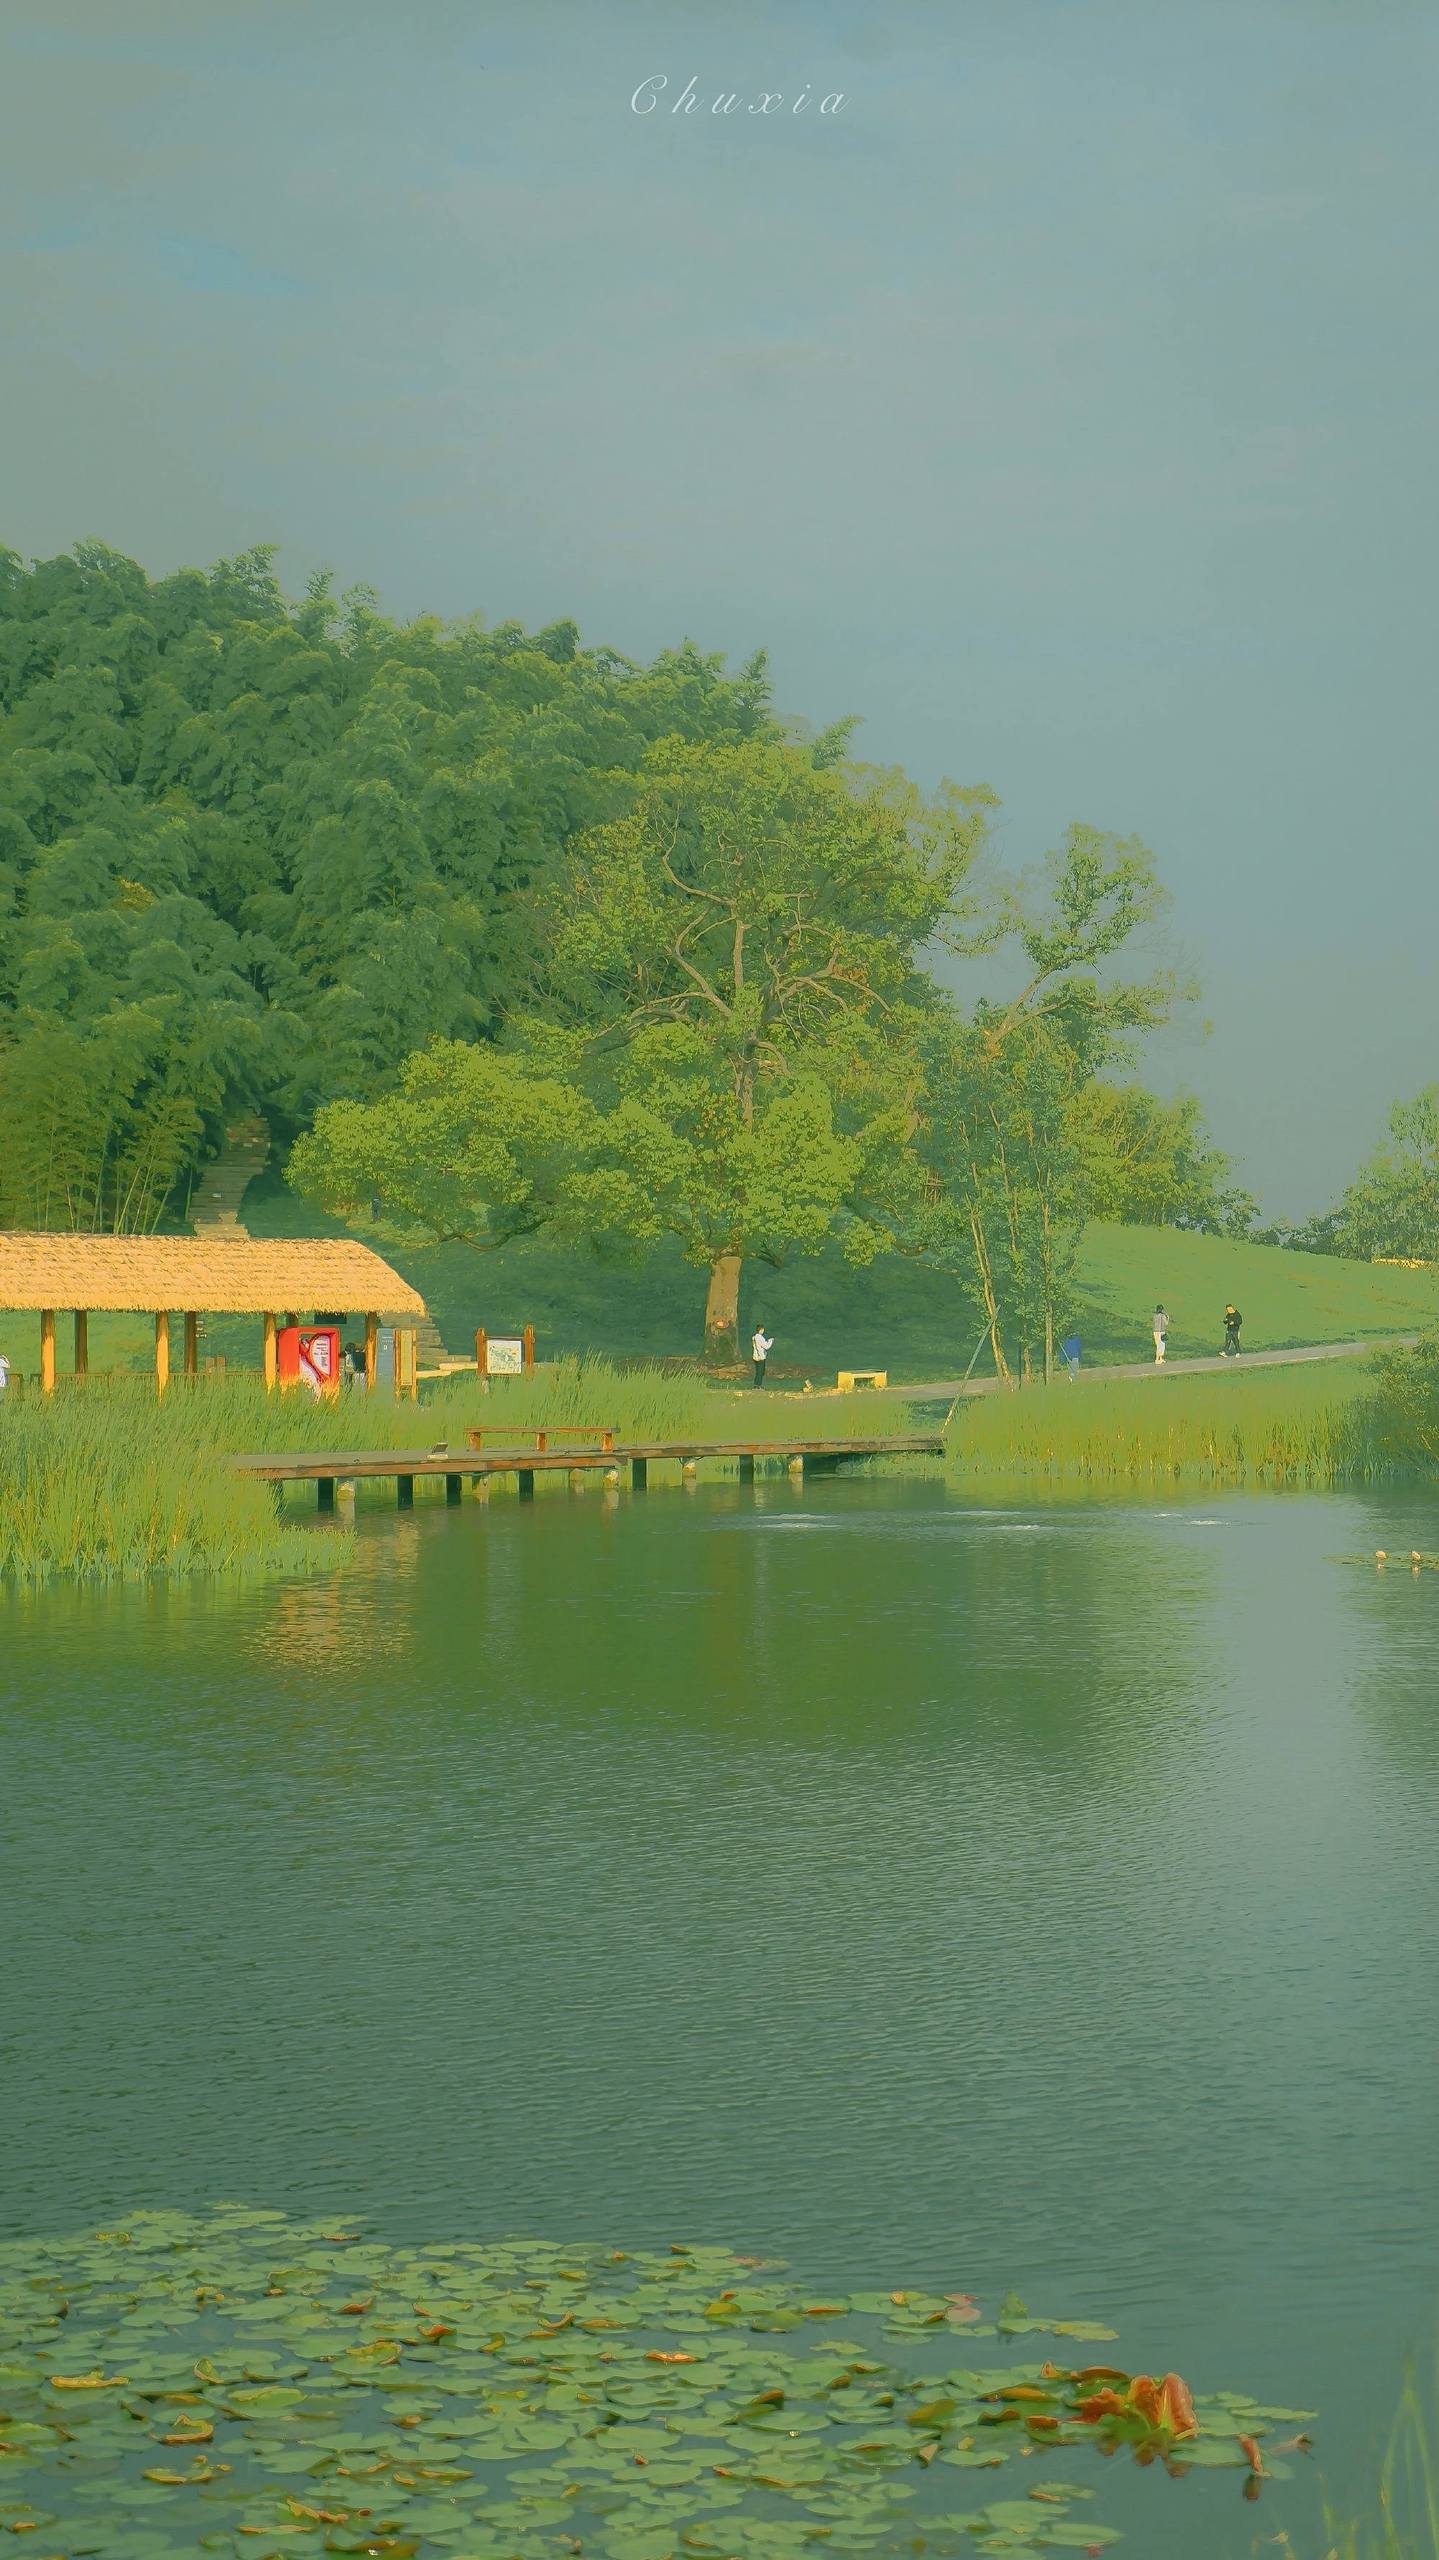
(4, 1373)
(1232, 1322)
(760, 1348)
(1161, 1330)
(1069, 1354)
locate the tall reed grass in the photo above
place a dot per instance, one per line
(1404, 2524)
(1290, 1426)
(123, 1484)
(105, 1478)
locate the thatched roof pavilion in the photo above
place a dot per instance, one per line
(190, 1275)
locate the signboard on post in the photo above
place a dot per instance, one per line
(504, 1355)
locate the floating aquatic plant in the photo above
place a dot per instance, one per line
(247, 2384)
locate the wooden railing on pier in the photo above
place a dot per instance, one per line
(326, 1468)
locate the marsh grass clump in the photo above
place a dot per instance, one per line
(123, 1484)
(1277, 1427)
(1404, 2524)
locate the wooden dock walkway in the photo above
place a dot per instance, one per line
(326, 1468)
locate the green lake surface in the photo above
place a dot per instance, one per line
(933, 1893)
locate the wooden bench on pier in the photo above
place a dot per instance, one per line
(327, 1468)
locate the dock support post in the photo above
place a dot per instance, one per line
(453, 1488)
(405, 1493)
(746, 1471)
(82, 1343)
(639, 1474)
(162, 1350)
(192, 1345)
(796, 1470)
(577, 1479)
(325, 1488)
(272, 1356)
(527, 1483)
(482, 1488)
(47, 1351)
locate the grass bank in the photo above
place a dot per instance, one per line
(106, 1479)
(120, 1485)
(1305, 1427)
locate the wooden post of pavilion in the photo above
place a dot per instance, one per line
(82, 1343)
(162, 1350)
(192, 1344)
(47, 1351)
(372, 1351)
(528, 1339)
(272, 1356)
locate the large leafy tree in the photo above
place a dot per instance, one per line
(1391, 1208)
(729, 968)
(994, 1188)
(736, 949)
(1147, 1162)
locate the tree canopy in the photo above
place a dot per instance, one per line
(288, 844)
(506, 933)
(1391, 1208)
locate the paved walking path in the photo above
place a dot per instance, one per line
(950, 1388)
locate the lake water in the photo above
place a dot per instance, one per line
(929, 1893)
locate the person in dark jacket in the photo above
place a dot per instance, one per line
(1232, 1322)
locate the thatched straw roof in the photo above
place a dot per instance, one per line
(212, 1275)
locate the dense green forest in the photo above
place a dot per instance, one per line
(255, 853)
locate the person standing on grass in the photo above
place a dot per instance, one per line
(1232, 1322)
(4, 1373)
(760, 1348)
(1161, 1332)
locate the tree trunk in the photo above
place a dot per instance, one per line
(722, 1312)
(1048, 1292)
(991, 1302)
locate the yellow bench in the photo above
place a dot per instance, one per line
(849, 1379)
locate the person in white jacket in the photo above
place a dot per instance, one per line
(760, 1349)
(1161, 1330)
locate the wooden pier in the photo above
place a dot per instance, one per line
(327, 1468)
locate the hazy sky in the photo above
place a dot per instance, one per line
(1066, 405)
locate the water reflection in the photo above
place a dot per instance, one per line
(996, 1895)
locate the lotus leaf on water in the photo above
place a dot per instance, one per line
(243, 2384)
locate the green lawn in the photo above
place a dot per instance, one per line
(825, 1316)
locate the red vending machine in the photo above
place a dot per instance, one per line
(309, 1356)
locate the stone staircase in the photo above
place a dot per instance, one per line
(222, 1185)
(431, 1351)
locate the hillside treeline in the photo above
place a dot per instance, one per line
(499, 932)
(254, 853)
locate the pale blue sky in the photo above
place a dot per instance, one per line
(1067, 406)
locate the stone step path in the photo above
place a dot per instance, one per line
(222, 1185)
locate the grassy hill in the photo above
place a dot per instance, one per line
(824, 1315)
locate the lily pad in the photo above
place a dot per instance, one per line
(247, 2385)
